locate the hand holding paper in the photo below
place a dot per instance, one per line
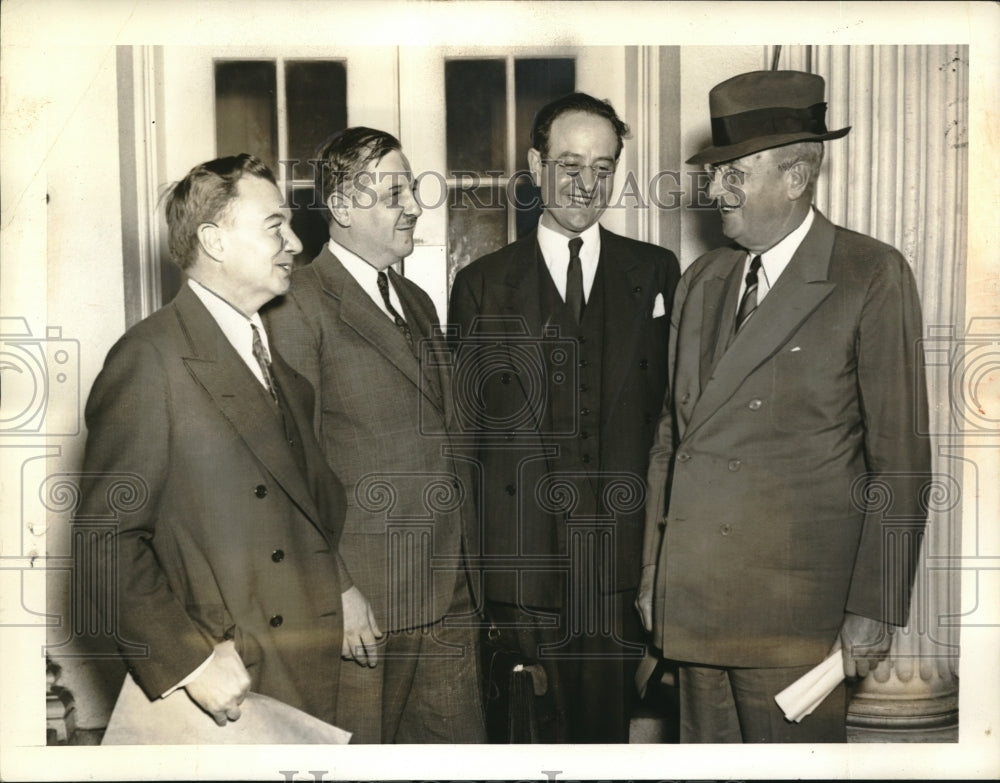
(805, 694)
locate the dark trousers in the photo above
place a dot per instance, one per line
(590, 666)
(737, 705)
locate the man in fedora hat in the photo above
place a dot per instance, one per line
(783, 514)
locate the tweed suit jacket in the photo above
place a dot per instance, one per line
(224, 536)
(785, 479)
(382, 419)
(496, 299)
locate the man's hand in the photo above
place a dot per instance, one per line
(221, 687)
(644, 598)
(360, 629)
(863, 642)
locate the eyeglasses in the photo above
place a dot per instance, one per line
(573, 168)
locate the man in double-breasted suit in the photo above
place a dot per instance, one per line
(365, 337)
(560, 372)
(783, 513)
(226, 548)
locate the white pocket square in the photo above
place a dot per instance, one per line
(658, 308)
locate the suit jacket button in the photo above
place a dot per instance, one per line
(509, 489)
(643, 364)
(686, 398)
(755, 405)
(637, 289)
(278, 555)
(726, 529)
(260, 491)
(683, 456)
(735, 464)
(276, 621)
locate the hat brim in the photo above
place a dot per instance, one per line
(750, 146)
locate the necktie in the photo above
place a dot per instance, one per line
(749, 301)
(574, 280)
(383, 288)
(264, 361)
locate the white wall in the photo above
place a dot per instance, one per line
(62, 270)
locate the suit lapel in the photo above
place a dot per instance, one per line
(426, 343)
(719, 313)
(358, 312)
(520, 306)
(802, 287)
(627, 303)
(217, 367)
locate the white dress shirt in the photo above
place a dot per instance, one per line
(236, 326)
(367, 277)
(774, 261)
(555, 251)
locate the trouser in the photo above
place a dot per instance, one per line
(425, 687)
(737, 705)
(591, 676)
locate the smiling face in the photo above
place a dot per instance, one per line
(255, 246)
(377, 216)
(760, 203)
(573, 203)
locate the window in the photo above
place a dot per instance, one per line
(281, 110)
(489, 108)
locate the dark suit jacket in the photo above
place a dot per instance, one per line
(788, 452)
(502, 291)
(225, 537)
(381, 417)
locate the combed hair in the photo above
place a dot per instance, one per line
(203, 196)
(577, 101)
(346, 154)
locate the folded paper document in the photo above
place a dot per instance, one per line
(176, 720)
(807, 693)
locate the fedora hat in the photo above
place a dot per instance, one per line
(763, 109)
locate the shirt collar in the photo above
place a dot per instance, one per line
(555, 246)
(778, 257)
(234, 324)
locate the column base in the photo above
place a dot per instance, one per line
(899, 719)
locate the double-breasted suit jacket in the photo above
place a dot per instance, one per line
(784, 483)
(511, 368)
(228, 534)
(382, 418)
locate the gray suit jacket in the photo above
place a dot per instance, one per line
(382, 419)
(785, 479)
(224, 536)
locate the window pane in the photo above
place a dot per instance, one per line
(246, 117)
(477, 225)
(536, 82)
(316, 96)
(476, 118)
(309, 222)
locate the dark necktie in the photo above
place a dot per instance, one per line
(749, 301)
(574, 280)
(383, 288)
(264, 361)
